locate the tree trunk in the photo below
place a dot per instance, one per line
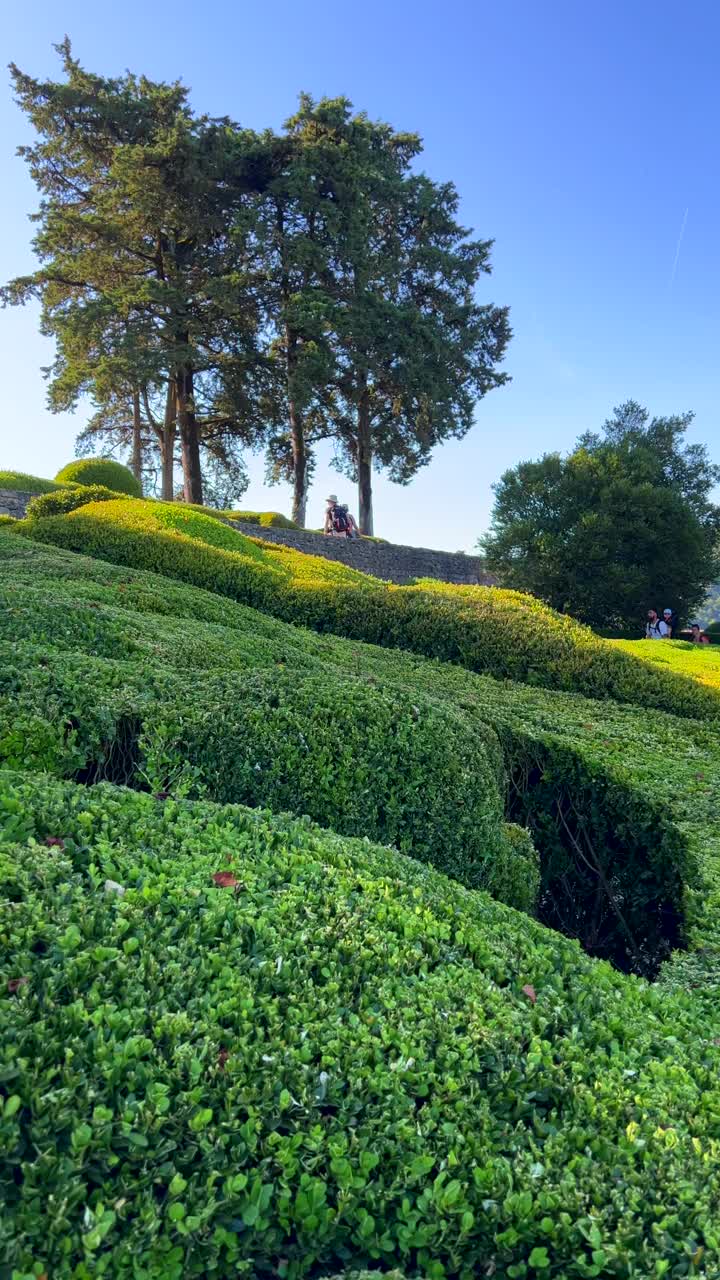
(297, 436)
(167, 444)
(189, 442)
(137, 458)
(364, 463)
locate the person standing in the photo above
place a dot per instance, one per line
(698, 636)
(671, 622)
(656, 628)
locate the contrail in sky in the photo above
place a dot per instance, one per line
(679, 245)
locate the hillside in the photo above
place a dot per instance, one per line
(355, 1035)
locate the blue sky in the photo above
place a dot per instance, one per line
(578, 133)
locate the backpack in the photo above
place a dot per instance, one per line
(341, 524)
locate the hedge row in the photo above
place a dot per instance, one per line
(23, 483)
(484, 629)
(699, 662)
(362, 759)
(233, 1045)
(61, 501)
(623, 806)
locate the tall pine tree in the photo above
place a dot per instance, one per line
(141, 280)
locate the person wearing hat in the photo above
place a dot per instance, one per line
(670, 622)
(338, 521)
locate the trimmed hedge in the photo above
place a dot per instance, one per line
(267, 519)
(237, 1045)
(608, 791)
(61, 501)
(359, 758)
(23, 483)
(699, 662)
(7, 520)
(101, 471)
(482, 628)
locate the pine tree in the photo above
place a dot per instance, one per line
(141, 279)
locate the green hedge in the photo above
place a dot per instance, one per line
(61, 501)
(23, 483)
(267, 519)
(7, 520)
(231, 1044)
(361, 759)
(484, 629)
(622, 805)
(101, 471)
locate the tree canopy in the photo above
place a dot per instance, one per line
(215, 288)
(622, 524)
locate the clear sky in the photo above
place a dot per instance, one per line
(582, 136)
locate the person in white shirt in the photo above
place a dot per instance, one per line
(655, 628)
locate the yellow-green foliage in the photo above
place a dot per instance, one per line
(505, 633)
(267, 519)
(101, 471)
(23, 483)
(700, 662)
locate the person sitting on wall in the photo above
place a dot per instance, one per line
(338, 521)
(698, 636)
(655, 628)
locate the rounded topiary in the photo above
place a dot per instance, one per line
(102, 471)
(64, 500)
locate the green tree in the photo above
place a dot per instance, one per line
(384, 346)
(141, 280)
(623, 523)
(292, 226)
(416, 349)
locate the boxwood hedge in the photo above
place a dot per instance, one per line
(237, 1045)
(102, 471)
(361, 758)
(622, 804)
(23, 483)
(60, 501)
(484, 629)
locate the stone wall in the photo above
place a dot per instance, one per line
(382, 559)
(14, 503)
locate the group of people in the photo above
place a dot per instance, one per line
(667, 626)
(339, 523)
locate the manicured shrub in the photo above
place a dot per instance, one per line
(699, 662)
(503, 633)
(101, 471)
(7, 520)
(266, 519)
(355, 757)
(64, 500)
(22, 483)
(614, 829)
(233, 1044)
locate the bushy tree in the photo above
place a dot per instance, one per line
(141, 281)
(623, 523)
(383, 345)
